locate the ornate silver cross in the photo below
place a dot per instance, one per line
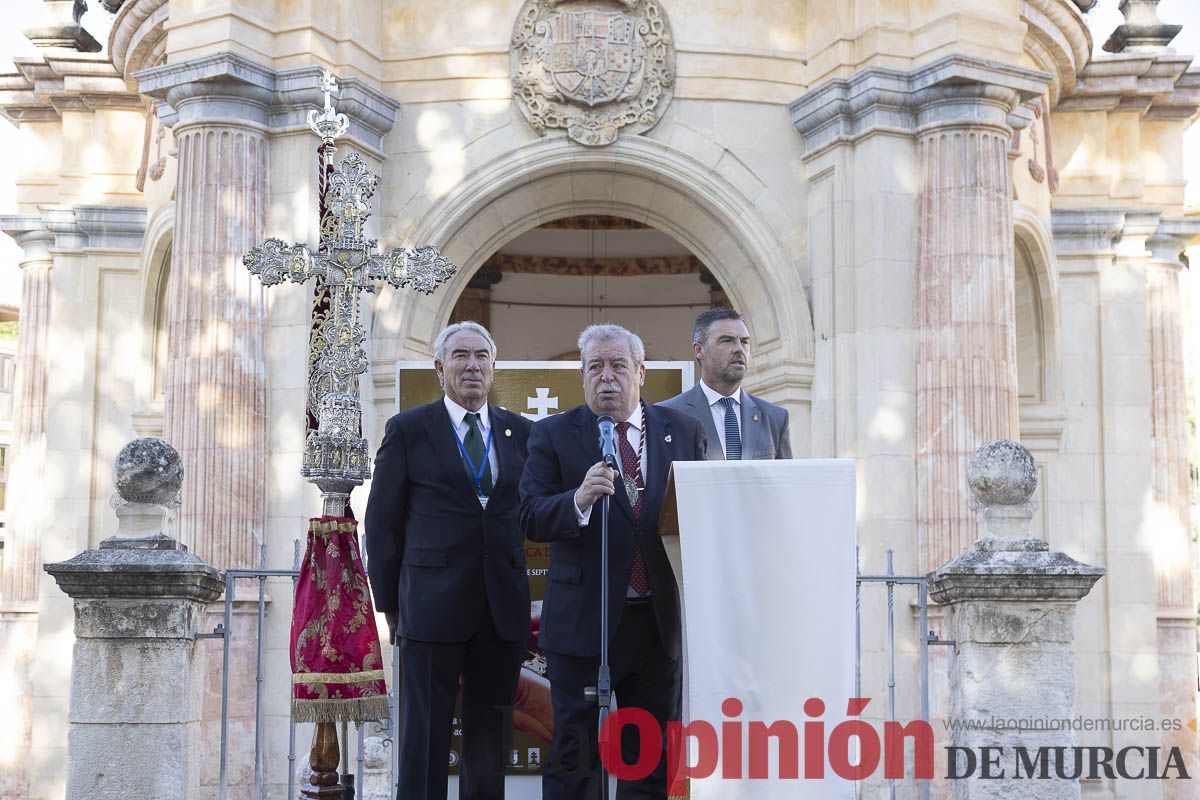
(335, 455)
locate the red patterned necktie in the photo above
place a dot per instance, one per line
(639, 579)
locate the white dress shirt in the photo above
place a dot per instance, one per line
(458, 418)
(634, 436)
(718, 411)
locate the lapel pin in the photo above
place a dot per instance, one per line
(756, 417)
(508, 432)
(667, 438)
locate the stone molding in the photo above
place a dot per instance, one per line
(950, 91)
(1142, 30)
(1157, 86)
(1057, 38)
(1086, 230)
(122, 571)
(138, 38)
(1171, 238)
(1042, 426)
(227, 88)
(1025, 570)
(83, 226)
(45, 86)
(738, 233)
(60, 27)
(31, 235)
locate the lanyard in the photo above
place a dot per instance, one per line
(477, 474)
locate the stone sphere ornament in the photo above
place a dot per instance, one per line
(1002, 473)
(148, 470)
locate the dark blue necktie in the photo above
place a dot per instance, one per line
(733, 435)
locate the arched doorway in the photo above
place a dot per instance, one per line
(704, 210)
(538, 290)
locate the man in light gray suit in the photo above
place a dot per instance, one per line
(745, 426)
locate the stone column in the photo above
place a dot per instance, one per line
(20, 577)
(1174, 555)
(215, 388)
(965, 317)
(1011, 614)
(136, 671)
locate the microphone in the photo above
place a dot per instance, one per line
(608, 441)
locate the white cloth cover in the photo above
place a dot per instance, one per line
(767, 583)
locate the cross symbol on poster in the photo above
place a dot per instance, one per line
(541, 404)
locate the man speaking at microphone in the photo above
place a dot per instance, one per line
(565, 477)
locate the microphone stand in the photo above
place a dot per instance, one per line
(602, 691)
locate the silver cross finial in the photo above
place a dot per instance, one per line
(328, 124)
(327, 84)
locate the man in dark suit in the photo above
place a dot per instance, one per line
(564, 477)
(447, 566)
(738, 424)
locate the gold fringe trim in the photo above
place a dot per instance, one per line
(327, 527)
(338, 677)
(360, 709)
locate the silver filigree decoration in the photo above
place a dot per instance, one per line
(592, 68)
(335, 455)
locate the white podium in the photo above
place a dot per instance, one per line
(765, 561)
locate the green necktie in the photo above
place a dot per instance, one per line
(473, 444)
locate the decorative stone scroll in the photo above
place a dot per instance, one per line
(592, 68)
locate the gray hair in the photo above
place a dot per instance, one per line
(439, 344)
(607, 333)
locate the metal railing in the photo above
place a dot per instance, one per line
(926, 638)
(223, 631)
(388, 730)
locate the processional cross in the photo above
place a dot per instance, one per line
(335, 455)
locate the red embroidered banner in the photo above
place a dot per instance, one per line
(337, 666)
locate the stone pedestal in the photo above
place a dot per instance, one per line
(136, 671)
(135, 677)
(1011, 613)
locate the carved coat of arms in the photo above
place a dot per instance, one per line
(592, 68)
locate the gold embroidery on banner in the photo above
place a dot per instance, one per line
(338, 677)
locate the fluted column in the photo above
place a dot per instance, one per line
(1168, 411)
(1174, 555)
(215, 409)
(966, 323)
(21, 568)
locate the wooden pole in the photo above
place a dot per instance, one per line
(323, 759)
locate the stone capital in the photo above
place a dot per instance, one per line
(230, 89)
(74, 228)
(220, 89)
(1172, 237)
(1086, 230)
(1140, 225)
(1020, 570)
(31, 235)
(156, 567)
(953, 90)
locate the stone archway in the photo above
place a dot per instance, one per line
(638, 178)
